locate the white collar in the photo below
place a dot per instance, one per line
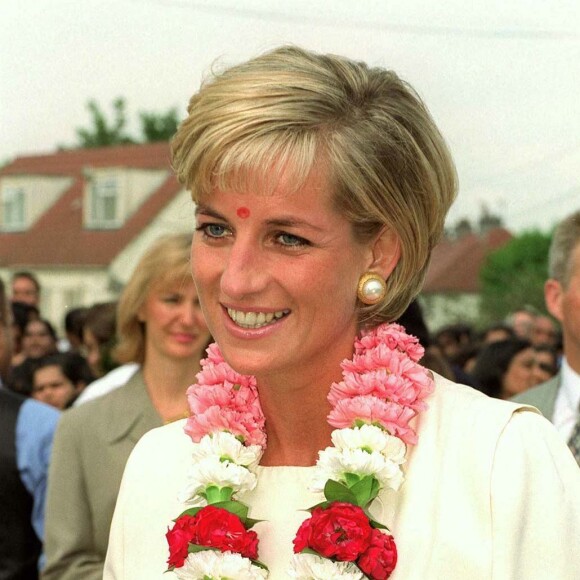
(570, 384)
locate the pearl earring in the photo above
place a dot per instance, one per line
(372, 289)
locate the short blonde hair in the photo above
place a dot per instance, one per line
(164, 263)
(290, 109)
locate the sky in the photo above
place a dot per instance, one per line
(502, 79)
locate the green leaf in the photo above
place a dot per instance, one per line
(335, 491)
(235, 507)
(189, 512)
(194, 548)
(366, 490)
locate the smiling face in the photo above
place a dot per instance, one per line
(174, 323)
(278, 281)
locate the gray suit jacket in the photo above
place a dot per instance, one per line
(91, 446)
(542, 396)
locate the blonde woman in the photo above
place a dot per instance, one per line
(322, 185)
(161, 327)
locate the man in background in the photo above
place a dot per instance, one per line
(559, 398)
(26, 288)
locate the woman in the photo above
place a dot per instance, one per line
(58, 379)
(99, 337)
(316, 179)
(162, 328)
(505, 368)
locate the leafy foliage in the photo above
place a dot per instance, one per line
(158, 126)
(104, 133)
(514, 275)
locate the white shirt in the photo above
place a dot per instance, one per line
(567, 401)
(113, 380)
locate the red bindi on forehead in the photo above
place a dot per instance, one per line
(243, 212)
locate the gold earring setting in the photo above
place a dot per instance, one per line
(372, 289)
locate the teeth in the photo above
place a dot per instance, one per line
(254, 319)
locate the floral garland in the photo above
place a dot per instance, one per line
(383, 388)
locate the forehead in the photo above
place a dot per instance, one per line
(48, 372)
(259, 193)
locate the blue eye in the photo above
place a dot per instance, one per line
(290, 240)
(213, 230)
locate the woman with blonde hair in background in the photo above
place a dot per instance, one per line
(161, 327)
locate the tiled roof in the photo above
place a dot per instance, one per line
(455, 264)
(58, 237)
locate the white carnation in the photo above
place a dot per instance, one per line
(370, 438)
(219, 566)
(365, 450)
(312, 567)
(227, 447)
(213, 472)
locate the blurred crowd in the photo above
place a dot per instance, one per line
(67, 427)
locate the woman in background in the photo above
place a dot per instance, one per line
(161, 327)
(505, 368)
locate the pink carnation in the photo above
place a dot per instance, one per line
(216, 419)
(383, 385)
(394, 336)
(348, 413)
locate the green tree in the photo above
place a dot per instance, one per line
(103, 133)
(514, 276)
(158, 126)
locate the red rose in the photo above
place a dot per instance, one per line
(219, 528)
(380, 558)
(340, 531)
(178, 538)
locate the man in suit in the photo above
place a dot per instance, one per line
(559, 398)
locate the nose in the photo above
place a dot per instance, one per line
(245, 271)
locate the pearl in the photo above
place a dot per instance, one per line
(373, 291)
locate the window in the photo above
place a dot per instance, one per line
(12, 210)
(104, 203)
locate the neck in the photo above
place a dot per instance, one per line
(296, 410)
(167, 381)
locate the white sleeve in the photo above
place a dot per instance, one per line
(535, 503)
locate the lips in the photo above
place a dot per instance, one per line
(255, 319)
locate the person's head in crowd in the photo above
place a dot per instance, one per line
(5, 334)
(59, 378)
(504, 368)
(25, 288)
(99, 337)
(562, 289)
(452, 338)
(158, 310)
(39, 339)
(521, 321)
(545, 363)
(20, 377)
(22, 314)
(73, 326)
(544, 331)
(495, 332)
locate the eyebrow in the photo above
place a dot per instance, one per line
(280, 222)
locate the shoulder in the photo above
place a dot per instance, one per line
(89, 415)
(111, 381)
(36, 421)
(539, 393)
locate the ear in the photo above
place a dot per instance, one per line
(386, 252)
(553, 293)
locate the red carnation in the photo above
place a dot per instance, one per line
(178, 538)
(380, 558)
(340, 531)
(219, 528)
